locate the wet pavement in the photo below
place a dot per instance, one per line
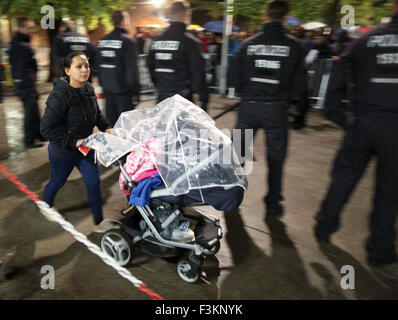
(257, 259)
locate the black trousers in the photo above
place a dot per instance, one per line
(115, 104)
(29, 97)
(187, 94)
(362, 141)
(271, 116)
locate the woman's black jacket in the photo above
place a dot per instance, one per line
(71, 114)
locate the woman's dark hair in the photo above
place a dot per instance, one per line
(69, 58)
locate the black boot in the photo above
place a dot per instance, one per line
(382, 260)
(274, 211)
(33, 145)
(321, 238)
(379, 259)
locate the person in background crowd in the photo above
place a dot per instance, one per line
(24, 72)
(299, 33)
(205, 41)
(117, 67)
(300, 110)
(175, 61)
(366, 75)
(234, 43)
(322, 44)
(270, 72)
(194, 33)
(148, 35)
(342, 40)
(215, 48)
(308, 41)
(69, 40)
(139, 38)
(71, 114)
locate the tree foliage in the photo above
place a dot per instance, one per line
(367, 12)
(88, 10)
(246, 12)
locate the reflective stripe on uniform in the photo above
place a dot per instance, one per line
(384, 80)
(164, 70)
(265, 80)
(109, 66)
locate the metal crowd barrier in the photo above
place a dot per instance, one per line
(318, 80)
(212, 66)
(213, 70)
(145, 78)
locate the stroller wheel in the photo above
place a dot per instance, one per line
(185, 272)
(117, 244)
(213, 250)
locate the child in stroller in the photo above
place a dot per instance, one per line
(140, 167)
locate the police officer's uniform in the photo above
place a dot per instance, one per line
(68, 42)
(118, 72)
(373, 61)
(176, 64)
(268, 72)
(24, 71)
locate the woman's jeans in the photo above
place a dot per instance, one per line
(61, 168)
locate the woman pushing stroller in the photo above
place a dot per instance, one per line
(71, 114)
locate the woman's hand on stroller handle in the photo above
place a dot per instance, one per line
(79, 142)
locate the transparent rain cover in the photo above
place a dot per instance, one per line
(193, 153)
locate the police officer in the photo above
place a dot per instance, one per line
(371, 65)
(24, 72)
(175, 61)
(67, 41)
(269, 72)
(118, 70)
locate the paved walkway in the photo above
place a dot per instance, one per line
(257, 260)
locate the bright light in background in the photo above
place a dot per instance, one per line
(157, 3)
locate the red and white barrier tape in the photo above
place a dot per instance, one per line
(53, 215)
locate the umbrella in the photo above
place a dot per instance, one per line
(313, 25)
(152, 22)
(292, 21)
(218, 26)
(195, 27)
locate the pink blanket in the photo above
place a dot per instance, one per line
(139, 164)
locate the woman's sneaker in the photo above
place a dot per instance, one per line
(104, 226)
(182, 233)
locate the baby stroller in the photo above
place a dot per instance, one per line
(187, 180)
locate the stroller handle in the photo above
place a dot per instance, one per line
(118, 163)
